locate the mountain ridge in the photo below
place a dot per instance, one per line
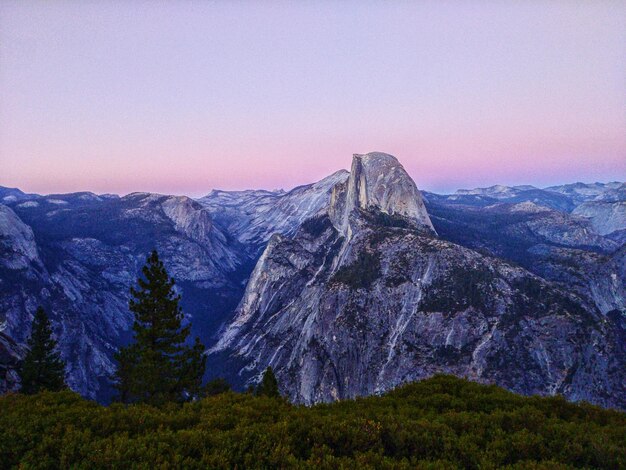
(89, 249)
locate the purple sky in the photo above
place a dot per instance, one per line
(181, 97)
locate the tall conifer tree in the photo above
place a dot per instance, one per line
(42, 368)
(269, 385)
(159, 366)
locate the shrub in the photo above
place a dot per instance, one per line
(442, 422)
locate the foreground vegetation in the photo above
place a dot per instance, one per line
(443, 422)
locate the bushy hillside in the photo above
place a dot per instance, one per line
(443, 422)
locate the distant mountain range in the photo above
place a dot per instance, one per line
(346, 287)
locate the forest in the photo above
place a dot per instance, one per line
(439, 423)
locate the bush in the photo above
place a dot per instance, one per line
(443, 422)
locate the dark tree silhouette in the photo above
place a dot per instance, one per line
(158, 366)
(268, 387)
(42, 368)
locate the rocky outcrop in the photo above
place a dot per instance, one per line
(11, 354)
(17, 241)
(378, 182)
(605, 216)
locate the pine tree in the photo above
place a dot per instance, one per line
(42, 368)
(269, 385)
(159, 366)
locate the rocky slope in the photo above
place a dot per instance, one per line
(11, 354)
(605, 216)
(557, 246)
(78, 255)
(254, 216)
(365, 296)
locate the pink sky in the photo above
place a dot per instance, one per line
(183, 97)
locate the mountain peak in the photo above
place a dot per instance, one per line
(378, 181)
(378, 157)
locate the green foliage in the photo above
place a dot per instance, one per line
(158, 367)
(42, 368)
(362, 273)
(268, 387)
(441, 423)
(459, 289)
(215, 387)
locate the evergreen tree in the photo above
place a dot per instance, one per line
(42, 368)
(158, 366)
(269, 385)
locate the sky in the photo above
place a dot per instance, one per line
(181, 97)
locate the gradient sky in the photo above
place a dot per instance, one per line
(181, 97)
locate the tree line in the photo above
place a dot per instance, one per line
(157, 367)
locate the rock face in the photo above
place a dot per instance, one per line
(11, 354)
(605, 216)
(365, 297)
(17, 241)
(378, 182)
(254, 216)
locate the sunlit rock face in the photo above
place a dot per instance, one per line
(378, 182)
(366, 296)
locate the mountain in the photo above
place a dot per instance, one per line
(78, 255)
(380, 184)
(582, 192)
(408, 283)
(565, 198)
(557, 246)
(253, 216)
(366, 296)
(8, 195)
(511, 194)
